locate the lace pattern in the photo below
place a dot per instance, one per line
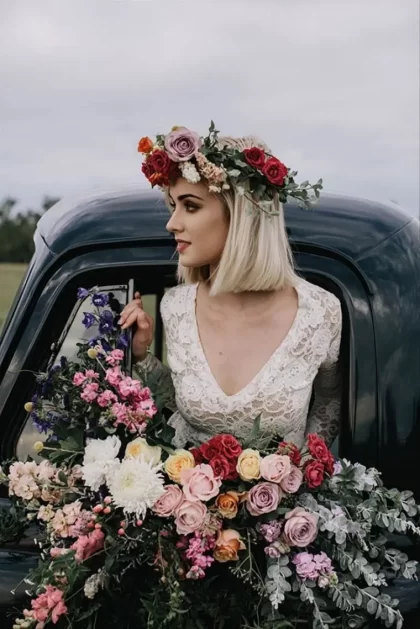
(280, 393)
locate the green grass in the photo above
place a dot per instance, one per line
(10, 277)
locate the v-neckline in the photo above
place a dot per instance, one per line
(279, 350)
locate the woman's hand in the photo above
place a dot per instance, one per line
(133, 314)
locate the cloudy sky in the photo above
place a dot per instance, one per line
(331, 86)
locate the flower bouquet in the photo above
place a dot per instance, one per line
(135, 533)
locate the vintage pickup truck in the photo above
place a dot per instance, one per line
(366, 253)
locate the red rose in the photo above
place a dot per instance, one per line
(160, 161)
(255, 157)
(329, 465)
(220, 466)
(231, 447)
(291, 451)
(314, 474)
(233, 473)
(318, 448)
(275, 171)
(197, 454)
(147, 168)
(208, 450)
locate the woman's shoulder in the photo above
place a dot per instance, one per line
(320, 300)
(176, 299)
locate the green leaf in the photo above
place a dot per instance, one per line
(254, 434)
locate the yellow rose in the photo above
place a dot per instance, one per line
(248, 465)
(38, 446)
(29, 407)
(175, 463)
(92, 352)
(228, 543)
(175, 127)
(139, 448)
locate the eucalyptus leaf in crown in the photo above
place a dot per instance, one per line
(253, 171)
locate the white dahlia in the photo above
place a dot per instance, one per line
(135, 485)
(99, 460)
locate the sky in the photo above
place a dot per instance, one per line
(331, 86)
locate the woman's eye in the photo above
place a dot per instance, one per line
(190, 207)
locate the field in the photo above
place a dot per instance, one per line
(10, 278)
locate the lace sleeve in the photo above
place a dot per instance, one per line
(162, 376)
(324, 416)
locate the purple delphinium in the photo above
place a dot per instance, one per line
(100, 299)
(88, 320)
(122, 341)
(106, 322)
(82, 293)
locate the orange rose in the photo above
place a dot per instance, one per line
(227, 504)
(145, 145)
(228, 543)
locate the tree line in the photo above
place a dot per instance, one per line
(17, 229)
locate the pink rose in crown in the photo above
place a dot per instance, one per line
(200, 483)
(182, 144)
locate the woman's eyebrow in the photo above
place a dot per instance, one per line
(185, 196)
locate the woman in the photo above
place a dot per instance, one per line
(246, 337)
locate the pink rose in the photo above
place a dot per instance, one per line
(301, 527)
(275, 467)
(113, 376)
(291, 483)
(182, 144)
(189, 517)
(120, 411)
(199, 483)
(90, 373)
(106, 398)
(129, 386)
(79, 378)
(169, 502)
(263, 498)
(115, 357)
(90, 392)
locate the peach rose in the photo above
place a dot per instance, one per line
(228, 544)
(248, 465)
(189, 517)
(275, 467)
(291, 483)
(227, 504)
(175, 463)
(199, 483)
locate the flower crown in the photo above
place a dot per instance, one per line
(253, 171)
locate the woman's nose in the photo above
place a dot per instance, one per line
(173, 225)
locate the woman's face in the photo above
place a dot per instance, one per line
(199, 222)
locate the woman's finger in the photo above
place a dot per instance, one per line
(128, 310)
(138, 317)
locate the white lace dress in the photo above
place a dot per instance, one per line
(306, 361)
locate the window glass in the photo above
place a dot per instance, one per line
(73, 332)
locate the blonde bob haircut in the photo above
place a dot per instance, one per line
(257, 254)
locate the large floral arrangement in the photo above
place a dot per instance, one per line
(134, 533)
(253, 171)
